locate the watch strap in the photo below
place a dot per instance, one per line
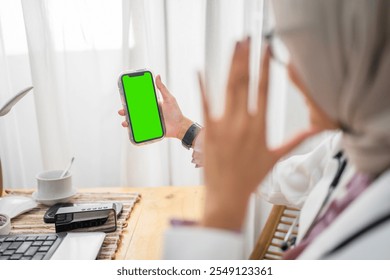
(190, 135)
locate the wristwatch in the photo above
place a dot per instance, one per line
(190, 135)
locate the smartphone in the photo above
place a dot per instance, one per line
(143, 112)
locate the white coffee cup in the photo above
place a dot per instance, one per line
(52, 189)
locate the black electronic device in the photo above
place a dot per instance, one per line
(52, 211)
(86, 217)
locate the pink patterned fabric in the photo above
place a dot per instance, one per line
(355, 187)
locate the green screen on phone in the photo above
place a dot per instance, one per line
(141, 100)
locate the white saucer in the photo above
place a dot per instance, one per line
(14, 205)
(52, 201)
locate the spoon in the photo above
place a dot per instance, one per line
(68, 168)
(8, 105)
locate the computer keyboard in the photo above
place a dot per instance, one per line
(29, 246)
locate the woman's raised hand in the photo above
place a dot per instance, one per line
(237, 157)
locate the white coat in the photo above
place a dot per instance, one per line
(303, 181)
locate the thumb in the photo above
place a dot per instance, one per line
(162, 88)
(294, 142)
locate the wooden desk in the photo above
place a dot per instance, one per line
(150, 218)
(143, 237)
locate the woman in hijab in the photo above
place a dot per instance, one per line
(340, 59)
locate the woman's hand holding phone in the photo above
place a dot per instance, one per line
(176, 124)
(143, 112)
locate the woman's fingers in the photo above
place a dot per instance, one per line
(262, 97)
(293, 143)
(162, 88)
(125, 124)
(206, 108)
(238, 83)
(122, 113)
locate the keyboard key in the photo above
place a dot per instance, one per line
(44, 249)
(4, 246)
(37, 243)
(52, 237)
(8, 252)
(41, 237)
(4, 257)
(15, 245)
(25, 258)
(10, 238)
(23, 248)
(39, 256)
(16, 257)
(21, 238)
(48, 243)
(31, 251)
(31, 238)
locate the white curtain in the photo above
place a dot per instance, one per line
(19, 143)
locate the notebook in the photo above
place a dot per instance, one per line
(51, 246)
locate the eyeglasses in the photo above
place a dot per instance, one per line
(279, 51)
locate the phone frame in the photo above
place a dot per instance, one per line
(139, 72)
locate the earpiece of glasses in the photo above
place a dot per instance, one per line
(278, 50)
